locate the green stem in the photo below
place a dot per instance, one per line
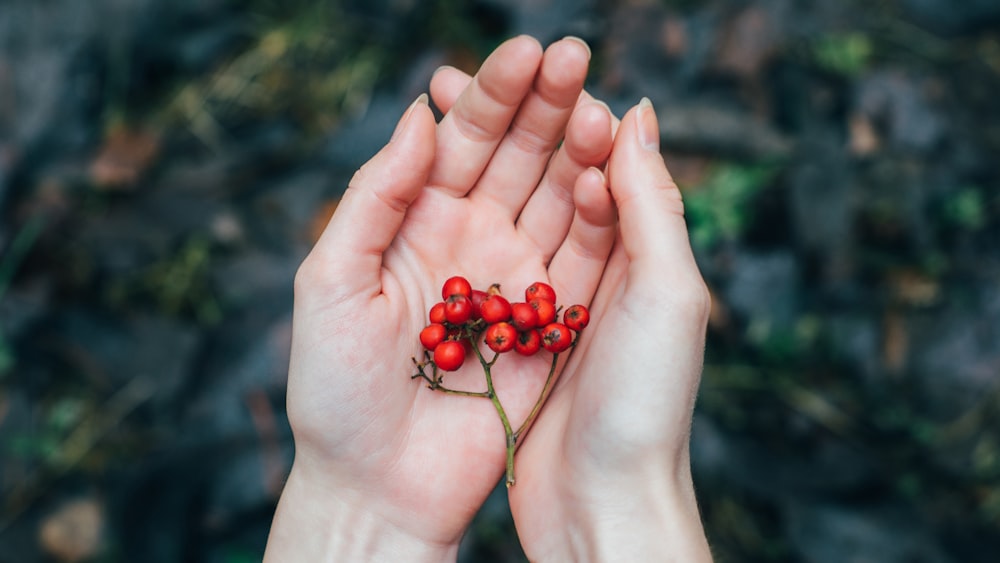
(444, 389)
(511, 440)
(434, 383)
(541, 400)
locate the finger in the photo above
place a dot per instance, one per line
(579, 263)
(650, 210)
(548, 213)
(448, 82)
(540, 124)
(446, 86)
(470, 132)
(348, 256)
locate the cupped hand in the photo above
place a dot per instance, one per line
(485, 194)
(604, 473)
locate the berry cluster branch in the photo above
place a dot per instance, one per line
(465, 315)
(434, 381)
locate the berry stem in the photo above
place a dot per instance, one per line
(434, 382)
(511, 439)
(541, 400)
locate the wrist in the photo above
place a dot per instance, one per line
(314, 522)
(647, 514)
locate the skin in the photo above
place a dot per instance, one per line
(408, 468)
(386, 468)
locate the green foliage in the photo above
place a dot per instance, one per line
(178, 284)
(718, 209)
(966, 209)
(10, 261)
(846, 54)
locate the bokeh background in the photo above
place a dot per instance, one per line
(166, 164)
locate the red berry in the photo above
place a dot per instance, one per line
(500, 337)
(523, 316)
(478, 297)
(456, 285)
(458, 309)
(528, 342)
(449, 355)
(556, 337)
(540, 290)
(546, 310)
(576, 317)
(437, 314)
(432, 335)
(496, 309)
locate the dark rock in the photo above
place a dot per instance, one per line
(550, 20)
(877, 534)
(954, 356)
(715, 129)
(764, 288)
(953, 18)
(245, 359)
(777, 471)
(113, 352)
(358, 140)
(899, 102)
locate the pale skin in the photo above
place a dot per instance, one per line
(386, 468)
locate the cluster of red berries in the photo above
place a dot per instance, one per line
(525, 327)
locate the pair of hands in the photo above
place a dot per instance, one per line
(386, 468)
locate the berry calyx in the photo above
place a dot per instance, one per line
(500, 337)
(546, 310)
(458, 309)
(556, 337)
(449, 355)
(540, 290)
(523, 316)
(576, 317)
(456, 285)
(432, 335)
(528, 342)
(495, 309)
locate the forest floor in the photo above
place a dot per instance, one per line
(166, 165)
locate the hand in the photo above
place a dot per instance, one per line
(604, 473)
(383, 465)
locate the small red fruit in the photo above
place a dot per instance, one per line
(540, 290)
(495, 309)
(523, 316)
(456, 285)
(576, 317)
(457, 309)
(478, 297)
(556, 337)
(528, 342)
(546, 310)
(500, 337)
(437, 314)
(449, 355)
(432, 335)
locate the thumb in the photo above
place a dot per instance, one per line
(349, 252)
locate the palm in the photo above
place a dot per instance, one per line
(430, 459)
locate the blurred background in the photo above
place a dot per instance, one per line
(166, 164)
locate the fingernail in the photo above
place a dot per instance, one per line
(646, 126)
(581, 42)
(601, 103)
(421, 99)
(600, 175)
(439, 69)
